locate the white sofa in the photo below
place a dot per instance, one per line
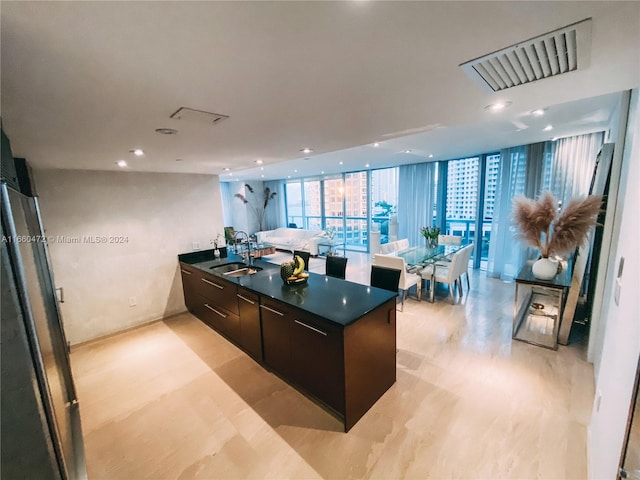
(293, 239)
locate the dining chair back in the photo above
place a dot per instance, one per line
(384, 277)
(392, 247)
(336, 266)
(450, 274)
(386, 248)
(305, 256)
(467, 251)
(407, 280)
(402, 244)
(449, 240)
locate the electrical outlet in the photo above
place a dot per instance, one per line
(196, 245)
(133, 301)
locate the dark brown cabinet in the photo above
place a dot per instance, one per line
(213, 300)
(276, 337)
(316, 358)
(347, 368)
(250, 327)
(190, 277)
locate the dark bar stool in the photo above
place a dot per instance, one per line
(336, 266)
(383, 277)
(305, 256)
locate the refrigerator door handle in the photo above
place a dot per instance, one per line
(60, 291)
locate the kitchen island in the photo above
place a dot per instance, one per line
(333, 340)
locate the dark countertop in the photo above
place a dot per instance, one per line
(337, 300)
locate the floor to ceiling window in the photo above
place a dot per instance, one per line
(345, 203)
(462, 197)
(293, 192)
(333, 193)
(384, 199)
(312, 205)
(490, 184)
(356, 211)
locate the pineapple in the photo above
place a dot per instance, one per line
(286, 270)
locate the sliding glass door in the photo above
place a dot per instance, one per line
(462, 197)
(334, 206)
(312, 205)
(293, 193)
(356, 231)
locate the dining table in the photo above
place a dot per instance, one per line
(416, 257)
(423, 256)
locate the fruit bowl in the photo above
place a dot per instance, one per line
(292, 273)
(297, 281)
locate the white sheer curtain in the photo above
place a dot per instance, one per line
(416, 197)
(227, 206)
(505, 253)
(275, 213)
(564, 167)
(573, 164)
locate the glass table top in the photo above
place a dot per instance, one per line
(426, 255)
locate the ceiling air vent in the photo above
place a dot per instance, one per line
(564, 50)
(184, 113)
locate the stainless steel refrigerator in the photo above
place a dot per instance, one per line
(40, 429)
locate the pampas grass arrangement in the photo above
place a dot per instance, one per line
(553, 232)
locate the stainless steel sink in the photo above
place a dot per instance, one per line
(236, 269)
(241, 272)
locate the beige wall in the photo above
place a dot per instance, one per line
(156, 215)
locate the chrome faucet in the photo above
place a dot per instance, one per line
(248, 242)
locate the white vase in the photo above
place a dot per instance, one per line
(545, 268)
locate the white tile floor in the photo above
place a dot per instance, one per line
(174, 399)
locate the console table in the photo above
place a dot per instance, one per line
(328, 247)
(538, 306)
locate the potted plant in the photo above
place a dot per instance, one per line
(261, 207)
(552, 230)
(430, 235)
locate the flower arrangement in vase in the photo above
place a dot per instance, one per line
(552, 230)
(430, 235)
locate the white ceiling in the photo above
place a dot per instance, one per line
(83, 83)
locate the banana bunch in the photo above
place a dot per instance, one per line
(293, 271)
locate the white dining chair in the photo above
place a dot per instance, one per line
(407, 280)
(402, 244)
(449, 240)
(468, 250)
(387, 248)
(450, 274)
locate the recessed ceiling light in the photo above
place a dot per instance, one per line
(288, 176)
(548, 128)
(226, 169)
(341, 162)
(259, 161)
(121, 163)
(538, 112)
(322, 172)
(137, 152)
(166, 131)
(261, 168)
(367, 165)
(498, 106)
(406, 151)
(306, 150)
(431, 155)
(295, 171)
(262, 176)
(376, 145)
